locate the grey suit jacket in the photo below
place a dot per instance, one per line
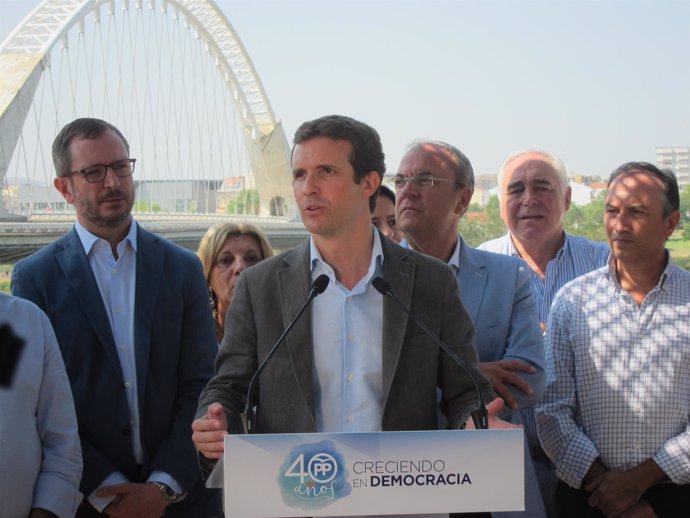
(269, 295)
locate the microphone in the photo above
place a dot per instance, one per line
(480, 416)
(317, 288)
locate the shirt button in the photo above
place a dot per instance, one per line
(350, 419)
(350, 338)
(351, 377)
(127, 384)
(114, 270)
(637, 409)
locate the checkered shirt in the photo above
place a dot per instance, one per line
(618, 376)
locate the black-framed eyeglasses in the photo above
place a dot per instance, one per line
(420, 181)
(97, 172)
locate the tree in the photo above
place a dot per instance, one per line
(685, 204)
(245, 203)
(481, 224)
(587, 220)
(144, 206)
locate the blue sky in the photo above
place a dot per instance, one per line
(597, 83)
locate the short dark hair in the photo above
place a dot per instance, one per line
(386, 192)
(671, 199)
(85, 128)
(367, 151)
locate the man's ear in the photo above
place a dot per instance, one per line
(568, 193)
(672, 221)
(64, 187)
(464, 200)
(370, 183)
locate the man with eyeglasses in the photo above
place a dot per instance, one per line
(130, 312)
(434, 186)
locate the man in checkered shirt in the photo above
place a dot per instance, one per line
(615, 414)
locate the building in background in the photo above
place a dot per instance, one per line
(677, 159)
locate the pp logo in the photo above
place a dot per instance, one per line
(322, 467)
(313, 476)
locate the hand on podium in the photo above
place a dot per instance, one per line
(494, 408)
(208, 432)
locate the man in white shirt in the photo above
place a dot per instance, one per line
(355, 362)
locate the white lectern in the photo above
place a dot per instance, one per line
(346, 474)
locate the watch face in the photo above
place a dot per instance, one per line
(167, 491)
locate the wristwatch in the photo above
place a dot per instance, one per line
(167, 491)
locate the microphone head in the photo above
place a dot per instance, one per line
(381, 285)
(320, 284)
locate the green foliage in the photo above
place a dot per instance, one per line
(685, 204)
(682, 261)
(481, 224)
(143, 206)
(587, 220)
(5, 272)
(246, 202)
(686, 232)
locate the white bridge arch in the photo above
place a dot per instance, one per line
(25, 55)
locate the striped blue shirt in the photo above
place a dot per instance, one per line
(576, 257)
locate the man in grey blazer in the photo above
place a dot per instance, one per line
(434, 186)
(131, 315)
(310, 384)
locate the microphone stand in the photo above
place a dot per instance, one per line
(480, 416)
(249, 414)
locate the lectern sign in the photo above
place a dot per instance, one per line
(373, 473)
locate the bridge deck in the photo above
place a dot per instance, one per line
(21, 239)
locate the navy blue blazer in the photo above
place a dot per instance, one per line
(175, 345)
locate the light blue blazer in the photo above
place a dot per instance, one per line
(497, 295)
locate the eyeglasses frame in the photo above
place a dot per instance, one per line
(132, 162)
(415, 178)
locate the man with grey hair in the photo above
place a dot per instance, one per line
(534, 197)
(434, 186)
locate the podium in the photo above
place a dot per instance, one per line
(377, 473)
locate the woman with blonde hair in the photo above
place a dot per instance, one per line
(225, 251)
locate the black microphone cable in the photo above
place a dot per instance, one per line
(317, 287)
(480, 416)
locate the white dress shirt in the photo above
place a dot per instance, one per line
(116, 280)
(347, 327)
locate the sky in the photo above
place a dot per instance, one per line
(597, 82)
